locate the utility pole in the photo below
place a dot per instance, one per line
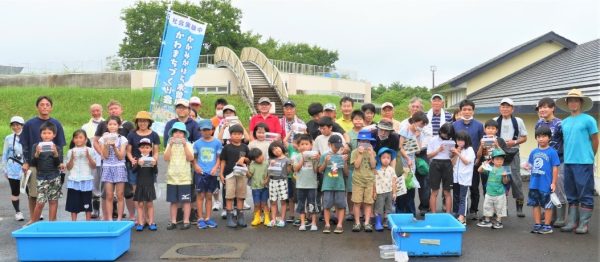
(432, 68)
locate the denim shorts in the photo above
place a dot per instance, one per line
(335, 199)
(206, 183)
(260, 195)
(537, 198)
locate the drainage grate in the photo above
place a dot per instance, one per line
(205, 251)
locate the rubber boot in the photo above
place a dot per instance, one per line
(267, 218)
(560, 214)
(520, 208)
(241, 220)
(230, 222)
(256, 220)
(572, 219)
(585, 214)
(378, 225)
(95, 207)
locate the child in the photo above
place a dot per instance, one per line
(259, 140)
(47, 160)
(321, 142)
(358, 118)
(440, 169)
(411, 139)
(179, 153)
(494, 201)
(488, 143)
(278, 170)
(333, 188)
(206, 152)
(12, 160)
(385, 185)
(544, 163)
(305, 167)
(363, 180)
(257, 172)
(235, 155)
(144, 190)
(114, 173)
(463, 160)
(80, 164)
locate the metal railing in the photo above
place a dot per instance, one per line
(254, 55)
(226, 57)
(313, 70)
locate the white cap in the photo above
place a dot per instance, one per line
(507, 100)
(229, 107)
(182, 102)
(386, 104)
(195, 100)
(17, 119)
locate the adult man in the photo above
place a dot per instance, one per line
(289, 118)
(264, 106)
(329, 111)
(90, 130)
(219, 104)
(437, 115)
(512, 130)
(580, 133)
(475, 130)
(414, 105)
(387, 112)
(31, 136)
(196, 105)
(346, 104)
(115, 109)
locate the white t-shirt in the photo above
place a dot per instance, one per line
(463, 173)
(321, 143)
(508, 131)
(435, 143)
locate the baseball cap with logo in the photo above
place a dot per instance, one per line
(336, 141)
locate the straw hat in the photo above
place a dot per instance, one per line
(143, 115)
(586, 102)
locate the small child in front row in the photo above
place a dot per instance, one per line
(305, 167)
(495, 197)
(385, 186)
(235, 154)
(257, 172)
(463, 160)
(278, 170)
(80, 164)
(334, 168)
(544, 163)
(144, 190)
(207, 152)
(179, 153)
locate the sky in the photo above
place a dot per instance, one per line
(380, 41)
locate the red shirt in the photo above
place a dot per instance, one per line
(271, 121)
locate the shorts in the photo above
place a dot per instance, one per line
(494, 204)
(362, 194)
(179, 193)
(307, 201)
(235, 187)
(383, 204)
(206, 183)
(278, 189)
(48, 190)
(78, 201)
(15, 186)
(114, 174)
(131, 175)
(260, 196)
(335, 199)
(291, 188)
(537, 198)
(32, 183)
(440, 171)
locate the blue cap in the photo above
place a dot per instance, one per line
(365, 135)
(205, 124)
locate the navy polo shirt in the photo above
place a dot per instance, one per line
(190, 125)
(474, 128)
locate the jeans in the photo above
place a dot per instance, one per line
(579, 184)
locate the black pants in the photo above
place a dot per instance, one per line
(475, 191)
(406, 203)
(424, 192)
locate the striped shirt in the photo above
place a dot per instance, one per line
(435, 122)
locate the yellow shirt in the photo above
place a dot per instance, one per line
(179, 171)
(345, 124)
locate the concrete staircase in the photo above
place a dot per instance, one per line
(261, 87)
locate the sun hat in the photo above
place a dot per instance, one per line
(385, 125)
(586, 104)
(143, 115)
(179, 126)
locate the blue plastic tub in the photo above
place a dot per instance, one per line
(66, 240)
(437, 235)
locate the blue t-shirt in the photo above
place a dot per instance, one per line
(542, 161)
(576, 135)
(556, 141)
(206, 153)
(474, 128)
(333, 175)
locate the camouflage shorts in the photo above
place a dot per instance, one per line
(49, 190)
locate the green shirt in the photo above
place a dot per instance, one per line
(333, 175)
(306, 178)
(494, 186)
(363, 176)
(258, 171)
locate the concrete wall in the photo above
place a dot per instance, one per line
(305, 84)
(204, 77)
(96, 80)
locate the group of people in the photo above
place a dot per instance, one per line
(353, 166)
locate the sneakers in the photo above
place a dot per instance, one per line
(327, 229)
(210, 223)
(139, 227)
(497, 225)
(290, 220)
(153, 227)
(536, 228)
(297, 222)
(313, 228)
(202, 224)
(545, 229)
(302, 228)
(272, 223)
(216, 205)
(281, 223)
(171, 226)
(473, 216)
(338, 230)
(246, 206)
(368, 228)
(356, 228)
(484, 223)
(19, 216)
(224, 214)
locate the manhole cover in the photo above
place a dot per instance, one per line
(205, 251)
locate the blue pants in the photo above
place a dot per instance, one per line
(459, 199)
(579, 184)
